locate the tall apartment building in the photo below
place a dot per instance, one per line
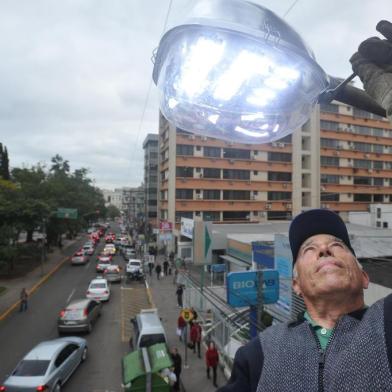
(150, 147)
(341, 159)
(133, 202)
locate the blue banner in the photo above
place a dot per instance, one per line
(263, 255)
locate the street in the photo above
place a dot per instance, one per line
(107, 343)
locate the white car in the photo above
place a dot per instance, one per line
(109, 249)
(98, 289)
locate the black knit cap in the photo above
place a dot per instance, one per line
(317, 221)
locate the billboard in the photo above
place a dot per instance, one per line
(165, 226)
(187, 227)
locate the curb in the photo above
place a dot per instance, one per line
(34, 288)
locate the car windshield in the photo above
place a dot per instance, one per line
(149, 340)
(98, 286)
(136, 263)
(31, 368)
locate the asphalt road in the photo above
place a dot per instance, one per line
(22, 331)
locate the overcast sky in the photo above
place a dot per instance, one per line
(75, 74)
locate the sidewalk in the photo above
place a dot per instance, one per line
(194, 378)
(30, 280)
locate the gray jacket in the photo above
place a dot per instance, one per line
(287, 357)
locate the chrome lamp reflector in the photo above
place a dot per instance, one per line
(236, 71)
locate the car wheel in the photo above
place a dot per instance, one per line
(84, 354)
(57, 388)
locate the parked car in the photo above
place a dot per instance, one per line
(98, 289)
(79, 315)
(47, 366)
(112, 273)
(79, 258)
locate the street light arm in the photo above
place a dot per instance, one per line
(350, 95)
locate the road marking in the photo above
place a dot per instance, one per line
(70, 296)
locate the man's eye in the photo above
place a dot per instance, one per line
(307, 249)
(337, 244)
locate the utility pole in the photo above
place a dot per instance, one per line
(260, 304)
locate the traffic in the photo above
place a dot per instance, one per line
(63, 329)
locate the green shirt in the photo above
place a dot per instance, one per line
(323, 334)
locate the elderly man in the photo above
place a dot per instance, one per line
(338, 344)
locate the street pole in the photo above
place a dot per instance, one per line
(259, 311)
(186, 347)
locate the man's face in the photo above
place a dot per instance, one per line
(325, 266)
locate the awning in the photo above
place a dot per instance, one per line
(233, 260)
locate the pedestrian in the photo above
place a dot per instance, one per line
(181, 327)
(165, 266)
(177, 364)
(23, 300)
(212, 361)
(195, 336)
(175, 276)
(338, 344)
(150, 267)
(158, 270)
(179, 294)
(195, 315)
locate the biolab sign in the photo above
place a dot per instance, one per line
(187, 226)
(242, 287)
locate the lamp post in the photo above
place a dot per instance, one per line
(234, 70)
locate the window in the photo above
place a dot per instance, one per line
(378, 198)
(214, 152)
(31, 368)
(211, 194)
(329, 125)
(361, 113)
(236, 195)
(236, 215)
(378, 132)
(255, 172)
(198, 148)
(149, 340)
(211, 215)
(279, 176)
(329, 107)
(329, 197)
(378, 181)
(279, 156)
(378, 213)
(362, 181)
(211, 173)
(152, 214)
(362, 130)
(65, 353)
(329, 161)
(329, 143)
(279, 215)
(362, 164)
(378, 148)
(236, 153)
(385, 225)
(329, 179)
(377, 164)
(182, 171)
(184, 149)
(184, 193)
(362, 197)
(279, 195)
(364, 147)
(233, 174)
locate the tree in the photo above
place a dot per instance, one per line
(4, 163)
(112, 211)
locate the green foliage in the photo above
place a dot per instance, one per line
(112, 212)
(29, 200)
(4, 163)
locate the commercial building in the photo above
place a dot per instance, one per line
(341, 159)
(150, 147)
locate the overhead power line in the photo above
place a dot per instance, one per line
(290, 8)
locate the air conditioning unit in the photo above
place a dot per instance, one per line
(370, 170)
(204, 138)
(201, 175)
(198, 196)
(281, 145)
(288, 206)
(253, 197)
(336, 153)
(323, 189)
(274, 144)
(191, 137)
(349, 164)
(284, 185)
(231, 161)
(268, 206)
(366, 155)
(324, 205)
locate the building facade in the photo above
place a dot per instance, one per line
(150, 147)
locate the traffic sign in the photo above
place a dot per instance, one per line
(67, 213)
(242, 287)
(187, 314)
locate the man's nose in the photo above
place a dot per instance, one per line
(324, 250)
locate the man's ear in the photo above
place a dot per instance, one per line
(365, 279)
(296, 287)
